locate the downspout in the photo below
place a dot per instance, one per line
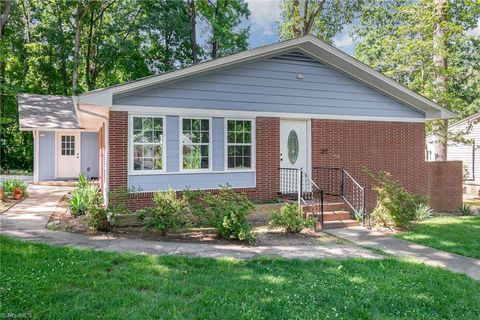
(107, 151)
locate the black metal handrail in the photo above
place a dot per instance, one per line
(337, 181)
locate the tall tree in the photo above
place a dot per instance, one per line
(224, 19)
(321, 18)
(193, 29)
(413, 42)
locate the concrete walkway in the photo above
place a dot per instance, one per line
(402, 248)
(27, 220)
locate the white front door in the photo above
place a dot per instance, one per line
(293, 152)
(68, 154)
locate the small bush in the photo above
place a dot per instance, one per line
(82, 181)
(394, 204)
(423, 211)
(229, 210)
(290, 219)
(194, 207)
(85, 199)
(466, 209)
(10, 185)
(117, 200)
(167, 213)
(97, 218)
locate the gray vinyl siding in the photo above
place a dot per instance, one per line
(271, 85)
(173, 144)
(89, 154)
(207, 180)
(465, 153)
(46, 155)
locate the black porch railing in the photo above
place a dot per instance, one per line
(338, 182)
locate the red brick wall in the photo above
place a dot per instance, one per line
(445, 182)
(267, 159)
(396, 147)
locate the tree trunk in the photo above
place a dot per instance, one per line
(81, 11)
(214, 33)
(7, 6)
(440, 127)
(193, 25)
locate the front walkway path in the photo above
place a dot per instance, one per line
(27, 220)
(402, 248)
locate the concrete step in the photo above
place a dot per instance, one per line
(338, 224)
(336, 215)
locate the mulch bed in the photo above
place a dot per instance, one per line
(62, 220)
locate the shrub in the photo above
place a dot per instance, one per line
(9, 186)
(82, 182)
(228, 211)
(194, 207)
(84, 199)
(97, 218)
(394, 204)
(117, 200)
(466, 209)
(423, 211)
(167, 213)
(290, 219)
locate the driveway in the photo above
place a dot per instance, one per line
(28, 218)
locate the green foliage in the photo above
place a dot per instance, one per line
(226, 211)
(85, 198)
(394, 204)
(397, 39)
(97, 219)
(290, 219)
(323, 19)
(9, 186)
(117, 200)
(119, 41)
(229, 210)
(466, 209)
(423, 212)
(167, 214)
(82, 181)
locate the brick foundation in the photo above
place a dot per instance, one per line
(395, 147)
(445, 185)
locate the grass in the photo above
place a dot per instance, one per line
(459, 235)
(47, 282)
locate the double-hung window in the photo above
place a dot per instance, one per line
(148, 143)
(195, 144)
(239, 144)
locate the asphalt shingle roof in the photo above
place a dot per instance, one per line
(47, 111)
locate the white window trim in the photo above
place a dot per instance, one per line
(180, 149)
(130, 144)
(253, 144)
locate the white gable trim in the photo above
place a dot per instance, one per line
(315, 48)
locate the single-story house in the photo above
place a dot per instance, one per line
(464, 146)
(247, 120)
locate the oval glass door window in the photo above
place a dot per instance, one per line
(292, 146)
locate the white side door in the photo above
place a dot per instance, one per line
(293, 152)
(68, 154)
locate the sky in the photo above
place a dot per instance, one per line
(264, 21)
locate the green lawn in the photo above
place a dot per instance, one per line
(53, 282)
(459, 235)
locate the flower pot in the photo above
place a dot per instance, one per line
(17, 194)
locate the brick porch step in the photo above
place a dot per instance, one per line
(336, 215)
(338, 224)
(328, 206)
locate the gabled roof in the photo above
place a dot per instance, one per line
(471, 118)
(46, 112)
(308, 45)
